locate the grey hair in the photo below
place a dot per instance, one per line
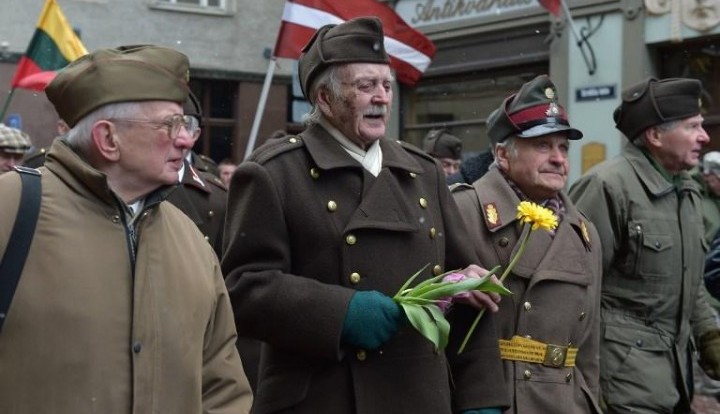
(639, 141)
(328, 79)
(508, 144)
(79, 137)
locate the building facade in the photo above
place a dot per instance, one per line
(229, 43)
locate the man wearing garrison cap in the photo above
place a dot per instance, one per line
(556, 283)
(445, 148)
(324, 227)
(647, 210)
(120, 306)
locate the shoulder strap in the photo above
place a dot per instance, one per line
(23, 230)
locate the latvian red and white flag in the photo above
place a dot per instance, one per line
(410, 51)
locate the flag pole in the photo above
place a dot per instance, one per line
(589, 62)
(260, 108)
(6, 104)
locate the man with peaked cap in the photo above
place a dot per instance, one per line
(121, 305)
(555, 306)
(647, 210)
(445, 148)
(325, 227)
(13, 146)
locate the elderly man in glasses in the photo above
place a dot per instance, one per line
(120, 306)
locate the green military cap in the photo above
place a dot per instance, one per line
(532, 112)
(441, 144)
(359, 40)
(123, 74)
(13, 141)
(654, 102)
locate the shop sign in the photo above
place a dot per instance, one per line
(425, 12)
(594, 93)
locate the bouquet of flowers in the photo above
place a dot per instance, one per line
(424, 304)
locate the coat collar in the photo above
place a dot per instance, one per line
(651, 178)
(328, 153)
(69, 166)
(193, 179)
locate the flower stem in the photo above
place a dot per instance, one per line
(505, 274)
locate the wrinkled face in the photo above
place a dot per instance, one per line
(678, 149)
(539, 166)
(450, 165)
(362, 109)
(149, 156)
(8, 161)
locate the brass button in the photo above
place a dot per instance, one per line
(361, 355)
(413, 175)
(115, 219)
(293, 140)
(207, 239)
(354, 278)
(527, 374)
(211, 213)
(568, 377)
(314, 173)
(423, 202)
(433, 232)
(145, 214)
(350, 239)
(527, 306)
(528, 336)
(582, 316)
(503, 242)
(331, 206)
(437, 270)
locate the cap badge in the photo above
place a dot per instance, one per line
(553, 109)
(549, 93)
(376, 46)
(491, 215)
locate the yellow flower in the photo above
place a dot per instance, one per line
(537, 215)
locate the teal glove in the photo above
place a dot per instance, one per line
(372, 318)
(483, 411)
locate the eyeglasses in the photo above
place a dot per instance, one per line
(173, 124)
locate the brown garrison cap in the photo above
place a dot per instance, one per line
(440, 144)
(13, 141)
(359, 40)
(654, 102)
(123, 74)
(532, 112)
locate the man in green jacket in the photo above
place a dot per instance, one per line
(647, 210)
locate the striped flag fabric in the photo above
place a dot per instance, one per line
(52, 47)
(553, 6)
(410, 51)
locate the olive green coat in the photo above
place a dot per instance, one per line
(556, 295)
(307, 227)
(88, 333)
(652, 304)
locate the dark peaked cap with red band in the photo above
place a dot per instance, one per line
(532, 112)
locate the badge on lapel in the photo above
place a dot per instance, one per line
(585, 234)
(491, 215)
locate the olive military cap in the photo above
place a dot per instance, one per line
(532, 112)
(440, 144)
(13, 141)
(123, 74)
(359, 40)
(654, 102)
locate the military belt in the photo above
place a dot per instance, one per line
(529, 350)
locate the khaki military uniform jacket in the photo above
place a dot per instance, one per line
(652, 304)
(202, 197)
(555, 300)
(307, 227)
(88, 332)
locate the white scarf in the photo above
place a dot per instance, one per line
(371, 159)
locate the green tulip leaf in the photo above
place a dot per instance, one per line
(422, 322)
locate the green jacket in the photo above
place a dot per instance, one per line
(652, 305)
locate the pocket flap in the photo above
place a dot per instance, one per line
(631, 336)
(657, 242)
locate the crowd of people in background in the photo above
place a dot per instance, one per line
(151, 279)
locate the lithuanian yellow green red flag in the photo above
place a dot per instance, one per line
(52, 47)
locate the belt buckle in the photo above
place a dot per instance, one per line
(555, 356)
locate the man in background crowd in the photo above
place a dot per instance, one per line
(13, 146)
(446, 148)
